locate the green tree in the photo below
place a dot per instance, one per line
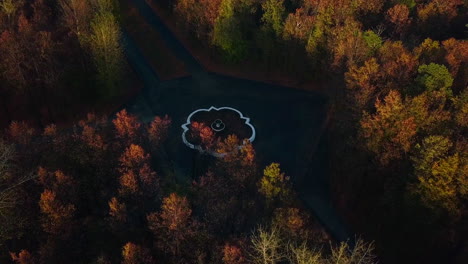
(228, 32)
(373, 40)
(273, 15)
(107, 51)
(435, 77)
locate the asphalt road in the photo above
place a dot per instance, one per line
(289, 123)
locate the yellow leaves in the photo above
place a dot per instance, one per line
(274, 183)
(117, 210)
(135, 254)
(175, 211)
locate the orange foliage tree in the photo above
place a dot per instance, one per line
(137, 175)
(173, 226)
(126, 125)
(135, 254)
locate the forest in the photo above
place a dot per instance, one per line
(84, 179)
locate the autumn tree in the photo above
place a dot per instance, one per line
(173, 227)
(23, 257)
(106, 49)
(266, 246)
(117, 211)
(9, 8)
(273, 15)
(137, 175)
(239, 159)
(347, 44)
(203, 134)
(58, 216)
(126, 125)
(274, 185)
(398, 16)
(364, 84)
(232, 254)
(397, 63)
(158, 129)
(298, 25)
(291, 222)
(135, 254)
(429, 51)
(441, 174)
(76, 15)
(389, 133)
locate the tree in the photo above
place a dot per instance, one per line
(23, 257)
(228, 32)
(173, 226)
(126, 125)
(298, 25)
(239, 161)
(291, 222)
(232, 254)
(117, 210)
(429, 51)
(158, 129)
(9, 7)
(398, 15)
(76, 15)
(203, 134)
(435, 77)
(373, 41)
(439, 174)
(301, 254)
(135, 254)
(364, 84)
(266, 246)
(273, 15)
(137, 176)
(347, 44)
(107, 51)
(397, 63)
(361, 252)
(58, 216)
(456, 54)
(274, 184)
(389, 133)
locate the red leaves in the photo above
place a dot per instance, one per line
(203, 134)
(232, 254)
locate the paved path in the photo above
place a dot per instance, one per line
(289, 123)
